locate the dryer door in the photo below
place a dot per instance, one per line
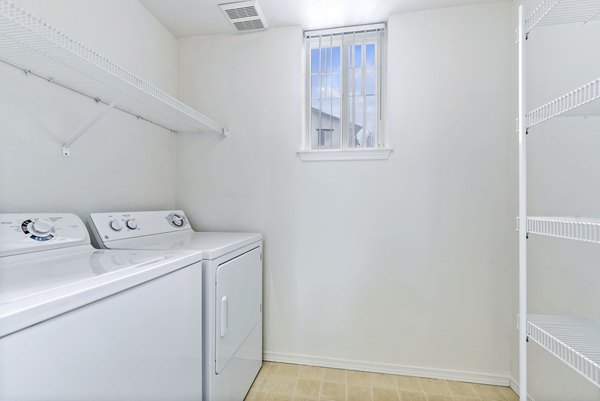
(238, 303)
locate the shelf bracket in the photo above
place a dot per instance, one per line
(66, 147)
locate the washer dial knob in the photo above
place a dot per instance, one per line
(38, 230)
(115, 225)
(41, 227)
(131, 224)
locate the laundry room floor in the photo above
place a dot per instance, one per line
(286, 382)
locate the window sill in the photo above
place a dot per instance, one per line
(343, 155)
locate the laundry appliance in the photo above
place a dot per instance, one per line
(232, 296)
(77, 323)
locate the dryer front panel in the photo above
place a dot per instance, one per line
(238, 304)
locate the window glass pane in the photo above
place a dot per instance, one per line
(314, 61)
(326, 59)
(351, 127)
(370, 56)
(371, 126)
(357, 84)
(349, 83)
(315, 86)
(315, 123)
(326, 130)
(325, 140)
(370, 82)
(336, 123)
(335, 86)
(356, 121)
(326, 114)
(335, 59)
(331, 86)
(357, 56)
(330, 59)
(325, 82)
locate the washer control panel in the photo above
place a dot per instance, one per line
(32, 232)
(126, 225)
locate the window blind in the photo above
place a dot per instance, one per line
(345, 86)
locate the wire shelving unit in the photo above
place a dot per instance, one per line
(575, 228)
(32, 45)
(573, 340)
(580, 102)
(555, 12)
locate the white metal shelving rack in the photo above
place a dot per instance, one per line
(30, 44)
(573, 340)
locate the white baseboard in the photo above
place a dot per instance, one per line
(515, 386)
(471, 377)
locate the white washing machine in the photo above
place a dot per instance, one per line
(232, 276)
(78, 323)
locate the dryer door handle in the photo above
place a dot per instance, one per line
(224, 316)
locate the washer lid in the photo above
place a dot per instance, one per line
(212, 245)
(38, 286)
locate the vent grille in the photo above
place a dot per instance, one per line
(249, 25)
(244, 16)
(242, 12)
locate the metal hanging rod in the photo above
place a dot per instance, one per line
(94, 98)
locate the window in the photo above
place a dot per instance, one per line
(345, 89)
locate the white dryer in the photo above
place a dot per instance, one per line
(232, 277)
(78, 323)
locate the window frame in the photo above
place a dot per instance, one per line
(345, 38)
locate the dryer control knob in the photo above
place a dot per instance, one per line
(178, 220)
(131, 224)
(41, 226)
(115, 225)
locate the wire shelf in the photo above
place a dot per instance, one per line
(580, 102)
(580, 229)
(573, 340)
(554, 12)
(34, 46)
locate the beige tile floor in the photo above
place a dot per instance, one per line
(285, 382)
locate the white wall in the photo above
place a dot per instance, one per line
(121, 163)
(563, 176)
(404, 262)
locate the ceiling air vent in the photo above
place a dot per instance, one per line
(245, 16)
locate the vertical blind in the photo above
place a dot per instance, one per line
(344, 86)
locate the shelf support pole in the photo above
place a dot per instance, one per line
(522, 212)
(66, 151)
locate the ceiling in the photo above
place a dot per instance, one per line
(203, 17)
